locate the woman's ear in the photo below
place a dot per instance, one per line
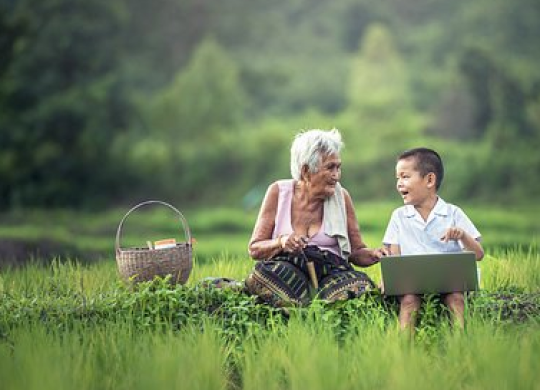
(304, 173)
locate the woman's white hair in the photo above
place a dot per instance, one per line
(310, 146)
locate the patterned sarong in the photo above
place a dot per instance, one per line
(283, 280)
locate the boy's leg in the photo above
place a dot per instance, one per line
(408, 308)
(456, 303)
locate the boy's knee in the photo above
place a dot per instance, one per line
(410, 302)
(455, 300)
(456, 304)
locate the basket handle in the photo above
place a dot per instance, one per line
(187, 232)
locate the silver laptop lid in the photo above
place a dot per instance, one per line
(429, 273)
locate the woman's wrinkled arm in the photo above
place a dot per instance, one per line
(262, 245)
(360, 254)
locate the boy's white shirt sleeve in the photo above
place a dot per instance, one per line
(391, 236)
(464, 222)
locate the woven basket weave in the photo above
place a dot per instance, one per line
(144, 264)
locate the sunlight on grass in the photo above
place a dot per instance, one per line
(222, 229)
(70, 325)
(225, 266)
(512, 269)
(113, 358)
(308, 356)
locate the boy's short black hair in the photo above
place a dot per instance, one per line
(427, 160)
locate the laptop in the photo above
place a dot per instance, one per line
(429, 273)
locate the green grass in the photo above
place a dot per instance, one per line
(304, 353)
(308, 356)
(515, 269)
(73, 324)
(512, 269)
(112, 357)
(221, 231)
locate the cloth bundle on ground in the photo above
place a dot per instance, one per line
(222, 282)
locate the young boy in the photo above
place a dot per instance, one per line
(427, 224)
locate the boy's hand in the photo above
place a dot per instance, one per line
(453, 233)
(383, 251)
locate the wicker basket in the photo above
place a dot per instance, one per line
(143, 264)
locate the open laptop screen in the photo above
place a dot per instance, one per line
(429, 273)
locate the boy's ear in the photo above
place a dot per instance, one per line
(431, 179)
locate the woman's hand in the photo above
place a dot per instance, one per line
(366, 256)
(377, 254)
(292, 242)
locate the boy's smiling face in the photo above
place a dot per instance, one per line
(414, 188)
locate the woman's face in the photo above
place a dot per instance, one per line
(324, 181)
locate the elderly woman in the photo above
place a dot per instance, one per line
(306, 235)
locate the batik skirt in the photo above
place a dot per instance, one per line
(284, 279)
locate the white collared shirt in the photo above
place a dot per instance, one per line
(416, 236)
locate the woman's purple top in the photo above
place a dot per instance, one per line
(283, 220)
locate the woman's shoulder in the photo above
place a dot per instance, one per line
(342, 191)
(284, 183)
(282, 186)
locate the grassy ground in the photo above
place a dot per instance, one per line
(303, 355)
(218, 231)
(73, 324)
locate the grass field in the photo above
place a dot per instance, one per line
(217, 231)
(71, 323)
(75, 325)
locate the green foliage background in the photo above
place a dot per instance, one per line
(110, 102)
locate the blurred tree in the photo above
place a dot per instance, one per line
(500, 99)
(379, 95)
(159, 37)
(379, 82)
(509, 31)
(357, 16)
(290, 53)
(61, 101)
(69, 70)
(533, 110)
(454, 117)
(204, 97)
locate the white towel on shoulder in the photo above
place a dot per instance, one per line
(335, 220)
